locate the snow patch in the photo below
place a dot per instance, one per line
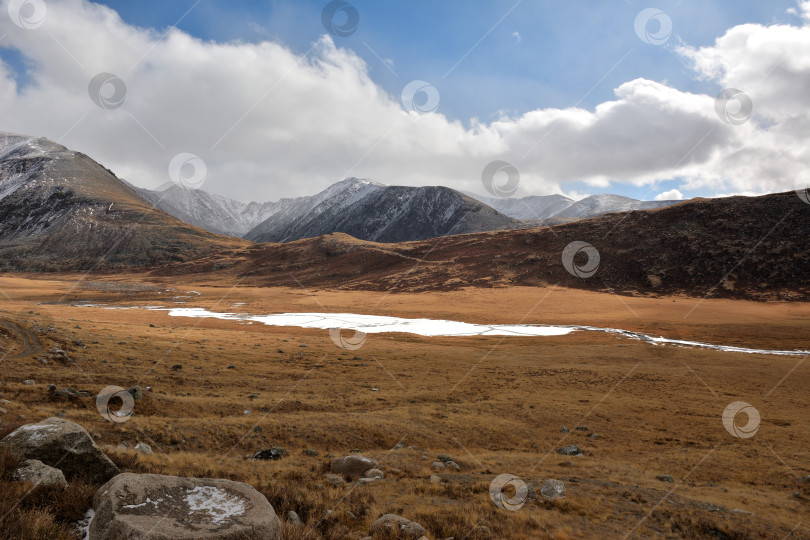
(217, 503)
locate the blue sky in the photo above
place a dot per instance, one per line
(488, 59)
(543, 54)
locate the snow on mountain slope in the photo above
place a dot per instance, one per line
(538, 208)
(371, 211)
(209, 211)
(596, 205)
(59, 209)
(535, 207)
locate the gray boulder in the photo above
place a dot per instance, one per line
(143, 448)
(354, 465)
(553, 489)
(136, 392)
(294, 519)
(572, 450)
(374, 473)
(36, 472)
(157, 507)
(393, 526)
(64, 445)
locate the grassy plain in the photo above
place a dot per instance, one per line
(220, 390)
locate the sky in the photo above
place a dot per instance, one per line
(259, 100)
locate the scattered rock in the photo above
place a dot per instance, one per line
(393, 526)
(230, 366)
(29, 382)
(565, 430)
(452, 465)
(334, 480)
(177, 367)
(36, 472)
(152, 325)
(293, 518)
(136, 392)
(582, 428)
(143, 448)
(665, 478)
(79, 342)
(435, 479)
(274, 453)
(63, 444)
(438, 465)
(157, 507)
(374, 473)
(58, 354)
(65, 392)
(594, 436)
(444, 458)
(399, 446)
(572, 450)
(481, 532)
(553, 489)
(310, 452)
(354, 465)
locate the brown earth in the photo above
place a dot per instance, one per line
(735, 247)
(496, 405)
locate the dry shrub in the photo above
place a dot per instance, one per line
(39, 512)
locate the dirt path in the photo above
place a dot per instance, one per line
(31, 344)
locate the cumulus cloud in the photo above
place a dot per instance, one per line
(671, 195)
(270, 123)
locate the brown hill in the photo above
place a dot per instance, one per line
(753, 247)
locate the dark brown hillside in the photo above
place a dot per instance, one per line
(732, 247)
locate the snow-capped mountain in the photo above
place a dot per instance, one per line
(596, 205)
(209, 211)
(535, 207)
(371, 211)
(539, 208)
(60, 210)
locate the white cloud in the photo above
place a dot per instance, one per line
(271, 123)
(803, 10)
(671, 195)
(517, 36)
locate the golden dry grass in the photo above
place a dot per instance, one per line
(495, 405)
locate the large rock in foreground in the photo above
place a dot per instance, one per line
(64, 445)
(157, 507)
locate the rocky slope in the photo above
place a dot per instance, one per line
(554, 209)
(60, 210)
(744, 247)
(372, 211)
(208, 211)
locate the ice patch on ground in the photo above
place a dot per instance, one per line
(84, 524)
(376, 324)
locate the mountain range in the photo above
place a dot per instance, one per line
(373, 211)
(62, 211)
